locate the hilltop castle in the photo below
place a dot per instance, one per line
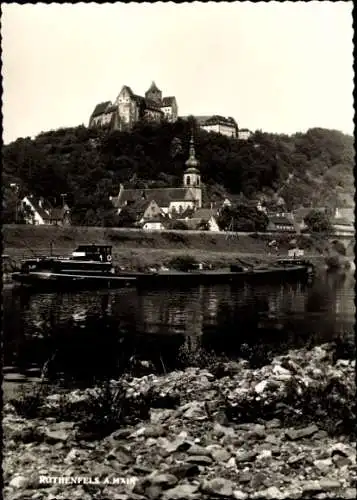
(129, 108)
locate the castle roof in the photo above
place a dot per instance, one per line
(111, 108)
(128, 89)
(101, 108)
(152, 105)
(168, 101)
(203, 120)
(153, 88)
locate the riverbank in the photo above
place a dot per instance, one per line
(286, 430)
(139, 249)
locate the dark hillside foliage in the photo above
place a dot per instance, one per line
(311, 168)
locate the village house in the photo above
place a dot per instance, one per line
(39, 211)
(342, 227)
(153, 225)
(280, 223)
(202, 219)
(171, 201)
(145, 212)
(347, 213)
(298, 216)
(129, 108)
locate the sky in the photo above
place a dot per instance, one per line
(279, 67)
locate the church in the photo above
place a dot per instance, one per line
(170, 200)
(129, 108)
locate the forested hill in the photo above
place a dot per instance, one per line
(313, 167)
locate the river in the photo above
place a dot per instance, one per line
(85, 336)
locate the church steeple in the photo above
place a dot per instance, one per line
(192, 161)
(191, 176)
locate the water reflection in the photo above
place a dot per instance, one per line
(95, 333)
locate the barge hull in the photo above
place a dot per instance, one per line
(51, 281)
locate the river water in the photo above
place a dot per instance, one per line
(89, 335)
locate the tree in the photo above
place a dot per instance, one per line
(126, 218)
(179, 225)
(318, 222)
(65, 161)
(242, 217)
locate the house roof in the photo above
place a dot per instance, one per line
(58, 213)
(204, 213)
(347, 213)
(341, 221)
(47, 211)
(44, 210)
(154, 220)
(281, 220)
(100, 108)
(162, 196)
(168, 101)
(139, 206)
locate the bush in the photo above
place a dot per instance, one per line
(29, 404)
(183, 263)
(334, 262)
(329, 403)
(339, 247)
(175, 237)
(108, 408)
(179, 225)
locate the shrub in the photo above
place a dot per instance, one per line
(183, 263)
(175, 237)
(29, 404)
(179, 225)
(334, 262)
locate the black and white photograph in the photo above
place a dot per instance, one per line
(178, 263)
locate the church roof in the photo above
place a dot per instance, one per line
(192, 170)
(100, 108)
(162, 196)
(192, 163)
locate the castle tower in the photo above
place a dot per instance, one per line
(192, 176)
(154, 94)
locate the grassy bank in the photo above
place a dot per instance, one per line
(138, 249)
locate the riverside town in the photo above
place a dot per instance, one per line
(178, 255)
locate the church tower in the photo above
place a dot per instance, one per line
(192, 176)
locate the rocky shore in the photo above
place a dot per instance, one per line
(286, 430)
